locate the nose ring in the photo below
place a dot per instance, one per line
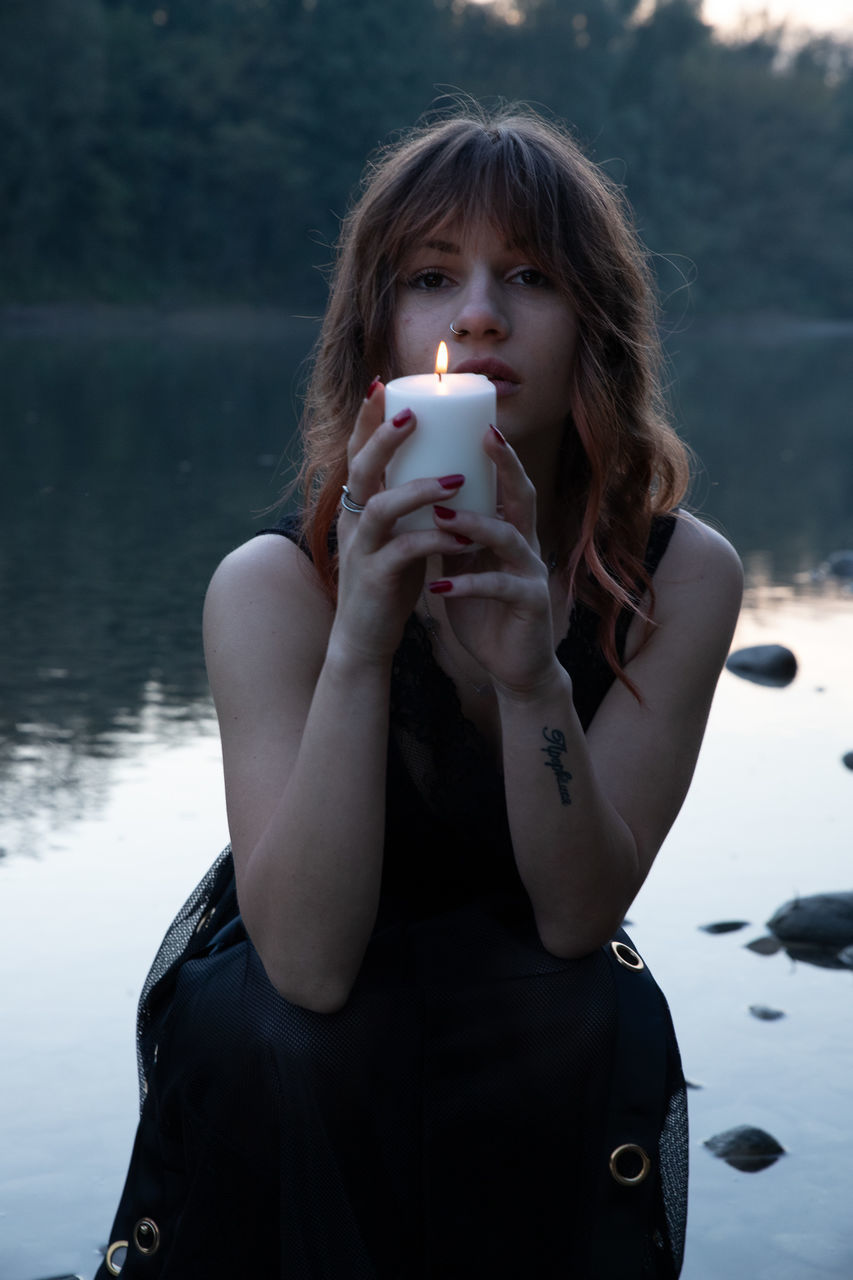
(457, 332)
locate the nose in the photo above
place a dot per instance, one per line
(481, 312)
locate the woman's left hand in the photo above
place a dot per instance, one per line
(500, 609)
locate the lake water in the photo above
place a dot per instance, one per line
(137, 451)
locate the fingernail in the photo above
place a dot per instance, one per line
(441, 587)
(497, 433)
(374, 384)
(460, 537)
(400, 419)
(451, 482)
(445, 513)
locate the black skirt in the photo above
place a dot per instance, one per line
(478, 1107)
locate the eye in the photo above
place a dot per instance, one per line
(428, 279)
(532, 277)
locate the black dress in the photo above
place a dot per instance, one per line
(459, 1116)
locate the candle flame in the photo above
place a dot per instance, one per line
(441, 360)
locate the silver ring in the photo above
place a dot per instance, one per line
(349, 503)
(457, 332)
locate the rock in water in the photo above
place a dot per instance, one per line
(766, 946)
(765, 1013)
(808, 953)
(840, 564)
(770, 664)
(746, 1148)
(820, 920)
(847, 759)
(724, 926)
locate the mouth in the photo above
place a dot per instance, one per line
(502, 376)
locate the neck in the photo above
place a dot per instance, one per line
(542, 467)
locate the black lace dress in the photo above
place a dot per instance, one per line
(478, 1108)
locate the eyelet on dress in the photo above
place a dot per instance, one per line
(146, 1236)
(629, 1149)
(110, 1262)
(626, 955)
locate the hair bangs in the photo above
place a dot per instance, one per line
(470, 175)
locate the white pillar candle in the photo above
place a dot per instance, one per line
(453, 411)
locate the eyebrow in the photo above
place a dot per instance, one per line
(442, 246)
(447, 246)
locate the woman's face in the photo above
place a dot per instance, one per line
(515, 327)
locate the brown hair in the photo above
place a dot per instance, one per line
(621, 461)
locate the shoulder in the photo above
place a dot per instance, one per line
(265, 600)
(645, 749)
(698, 558)
(268, 559)
(698, 587)
(266, 626)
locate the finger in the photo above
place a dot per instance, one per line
(385, 508)
(501, 537)
(518, 495)
(369, 417)
(398, 553)
(490, 585)
(367, 466)
(368, 559)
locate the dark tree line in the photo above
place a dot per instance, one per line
(201, 150)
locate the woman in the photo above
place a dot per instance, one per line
(389, 1035)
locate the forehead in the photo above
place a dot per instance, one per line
(459, 237)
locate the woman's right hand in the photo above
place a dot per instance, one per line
(380, 574)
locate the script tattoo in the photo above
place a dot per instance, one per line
(556, 741)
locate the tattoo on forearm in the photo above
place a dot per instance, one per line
(556, 741)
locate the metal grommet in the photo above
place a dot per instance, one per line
(629, 1149)
(626, 955)
(112, 1265)
(146, 1236)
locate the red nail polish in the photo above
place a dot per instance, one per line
(445, 513)
(400, 419)
(451, 482)
(374, 384)
(441, 587)
(460, 537)
(497, 433)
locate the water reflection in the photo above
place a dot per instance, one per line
(131, 465)
(768, 412)
(134, 461)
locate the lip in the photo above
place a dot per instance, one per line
(504, 378)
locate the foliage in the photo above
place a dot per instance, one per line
(202, 149)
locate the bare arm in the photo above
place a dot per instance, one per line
(301, 691)
(588, 813)
(304, 735)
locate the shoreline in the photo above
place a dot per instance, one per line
(229, 321)
(257, 322)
